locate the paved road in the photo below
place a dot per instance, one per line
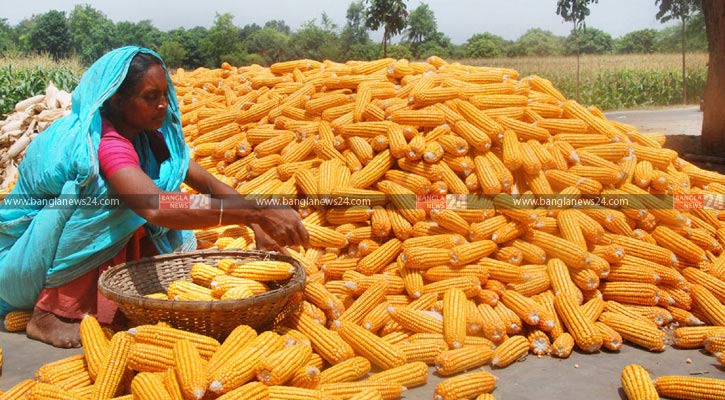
(670, 121)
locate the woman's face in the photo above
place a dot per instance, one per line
(145, 108)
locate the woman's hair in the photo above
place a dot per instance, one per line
(139, 65)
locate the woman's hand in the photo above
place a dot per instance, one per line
(283, 225)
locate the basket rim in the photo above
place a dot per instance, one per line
(295, 283)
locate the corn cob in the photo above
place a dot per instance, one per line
(690, 387)
(465, 386)
(632, 330)
(511, 350)
(16, 321)
(280, 367)
(112, 371)
(637, 383)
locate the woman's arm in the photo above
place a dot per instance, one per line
(141, 194)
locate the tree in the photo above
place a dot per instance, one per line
(589, 41)
(682, 10)
(422, 26)
(354, 32)
(269, 44)
(142, 33)
(485, 45)
(391, 15)
(669, 39)
(173, 53)
(575, 11)
(538, 42)
(315, 42)
(279, 26)
(223, 39)
(6, 36)
(50, 34)
(713, 122)
(91, 33)
(641, 41)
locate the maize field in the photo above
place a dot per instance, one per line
(400, 282)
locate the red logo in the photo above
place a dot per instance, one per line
(430, 201)
(694, 201)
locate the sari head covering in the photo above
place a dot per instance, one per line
(58, 223)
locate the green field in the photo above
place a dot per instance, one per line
(608, 81)
(23, 77)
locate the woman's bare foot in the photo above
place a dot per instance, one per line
(52, 329)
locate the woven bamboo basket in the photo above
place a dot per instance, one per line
(126, 284)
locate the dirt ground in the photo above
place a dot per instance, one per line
(589, 376)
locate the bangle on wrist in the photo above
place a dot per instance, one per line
(221, 211)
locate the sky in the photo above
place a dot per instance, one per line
(459, 19)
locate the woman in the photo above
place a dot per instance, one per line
(123, 140)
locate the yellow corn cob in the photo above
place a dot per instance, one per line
(190, 369)
(325, 343)
(112, 371)
(16, 321)
(346, 371)
(562, 346)
(465, 386)
(681, 247)
(645, 335)
(240, 368)
(694, 337)
(416, 321)
(463, 254)
(561, 280)
(167, 337)
(611, 339)
(476, 137)
(690, 387)
(370, 346)
(307, 377)
(95, 344)
(454, 317)
(539, 342)
(147, 385)
(637, 383)
(373, 296)
(585, 333)
(450, 362)
(47, 391)
(280, 367)
(146, 357)
(708, 304)
(556, 247)
(293, 393)
(250, 391)
(509, 351)
(387, 390)
(416, 183)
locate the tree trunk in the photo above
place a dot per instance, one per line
(684, 70)
(713, 123)
(578, 51)
(385, 43)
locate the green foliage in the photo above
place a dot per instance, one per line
(642, 41)
(315, 42)
(590, 40)
(49, 34)
(363, 51)
(431, 48)
(223, 39)
(397, 51)
(670, 39)
(354, 32)
(91, 33)
(20, 79)
(391, 15)
(486, 45)
(142, 33)
(422, 25)
(677, 9)
(173, 53)
(538, 42)
(279, 26)
(269, 44)
(575, 11)
(7, 37)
